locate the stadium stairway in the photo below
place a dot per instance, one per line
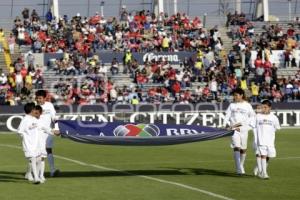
(289, 72)
(227, 42)
(51, 78)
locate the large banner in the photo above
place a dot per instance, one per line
(120, 133)
(107, 56)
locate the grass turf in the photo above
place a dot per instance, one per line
(185, 171)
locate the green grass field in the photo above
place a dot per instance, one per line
(203, 170)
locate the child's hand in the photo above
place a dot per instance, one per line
(56, 132)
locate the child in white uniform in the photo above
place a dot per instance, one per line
(47, 119)
(266, 125)
(44, 132)
(238, 115)
(28, 130)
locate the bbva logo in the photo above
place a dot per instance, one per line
(139, 130)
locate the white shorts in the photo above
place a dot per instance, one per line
(239, 140)
(31, 153)
(266, 151)
(49, 142)
(42, 150)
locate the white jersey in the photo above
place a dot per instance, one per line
(44, 132)
(29, 131)
(46, 120)
(239, 112)
(48, 115)
(266, 125)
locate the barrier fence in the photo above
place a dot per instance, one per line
(190, 114)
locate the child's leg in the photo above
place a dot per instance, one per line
(28, 174)
(258, 164)
(243, 143)
(33, 163)
(42, 169)
(242, 159)
(236, 143)
(256, 171)
(264, 166)
(237, 160)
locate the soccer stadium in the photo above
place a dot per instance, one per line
(149, 99)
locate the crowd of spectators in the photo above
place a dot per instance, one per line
(139, 32)
(16, 87)
(199, 78)
(81, 37)
(261, 77)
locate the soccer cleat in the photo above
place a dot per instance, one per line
(55, 173)
(263, 176)
(255, 171)
(242, 170)
(29, 177)
(266, 176)
(239, 173)
(42, 179)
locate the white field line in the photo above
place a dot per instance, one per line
(141, 176)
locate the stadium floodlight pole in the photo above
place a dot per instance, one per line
(204, 20)
(290, 10)
(158, 7)
(238, 7)
(54, 7)
(175, 6)
(11, 8)
(102, 8)
(266, 10)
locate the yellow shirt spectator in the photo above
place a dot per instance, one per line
(134, 101)
(165, 43)
(198, 64)
(254, 89)
(244, 84)
(28, 79)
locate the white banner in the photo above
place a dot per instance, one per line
(276, 57)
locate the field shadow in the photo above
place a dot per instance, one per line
(74, 174)
(158, 172)
(210, 172)
(6, 176)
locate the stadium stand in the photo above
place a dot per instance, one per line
(221, 61)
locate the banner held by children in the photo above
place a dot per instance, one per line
(120, 133)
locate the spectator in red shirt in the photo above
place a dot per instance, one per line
(258, 62)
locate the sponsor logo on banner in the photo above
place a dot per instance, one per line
(139, 130)
(182, 131)
(168, 57)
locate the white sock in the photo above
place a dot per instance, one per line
(237, 161)
(38, 166)
(51, 162)
(33, 163)
(242, 158)
(264, 166)
(42, 168)
(258, 164)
